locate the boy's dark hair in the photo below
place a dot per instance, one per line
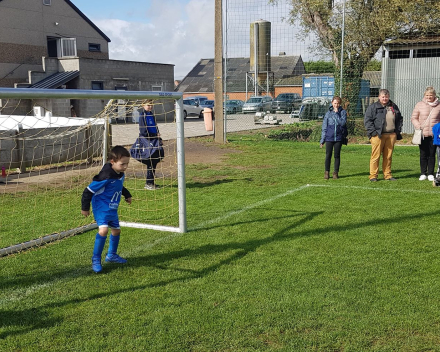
(117, 153)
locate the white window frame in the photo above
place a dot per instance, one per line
(156, 88)
(67, 47)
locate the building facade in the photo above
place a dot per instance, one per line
(52, 44)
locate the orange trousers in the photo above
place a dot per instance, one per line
(384, 146)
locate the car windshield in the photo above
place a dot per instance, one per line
(254, 100)
(284, 97)
(210, 102)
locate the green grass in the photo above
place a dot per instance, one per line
(276, 259)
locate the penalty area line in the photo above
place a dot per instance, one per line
(249, 207)
(405, 190)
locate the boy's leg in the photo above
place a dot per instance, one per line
(112, 256)
(97, 252)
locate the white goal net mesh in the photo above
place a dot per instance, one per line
(50, 149)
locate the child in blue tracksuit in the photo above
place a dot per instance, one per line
(105, 193)
(333, 131)
(436, 141)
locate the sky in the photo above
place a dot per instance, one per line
(181, 32)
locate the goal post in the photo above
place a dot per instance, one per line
(45, 156)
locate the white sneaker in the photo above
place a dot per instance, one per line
(423, 177)
(431, 178)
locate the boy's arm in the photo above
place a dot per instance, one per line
(85, 202)
(127, 195)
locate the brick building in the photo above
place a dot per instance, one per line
(52, 44)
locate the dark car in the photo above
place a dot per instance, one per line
(207, 104)
(286, 102)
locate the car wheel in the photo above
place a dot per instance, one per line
(184, 114)
(201, 114)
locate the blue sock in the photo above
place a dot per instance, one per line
(113, 244)
(99, 245)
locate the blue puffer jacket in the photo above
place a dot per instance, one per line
(333, 125)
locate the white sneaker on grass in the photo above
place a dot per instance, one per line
(422, 178)
(431, 178)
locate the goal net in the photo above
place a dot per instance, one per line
(52, 143)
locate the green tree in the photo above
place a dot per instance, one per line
(374, 65)
(319, 67)
(368, 23)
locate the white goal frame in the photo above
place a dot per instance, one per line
(31, 93)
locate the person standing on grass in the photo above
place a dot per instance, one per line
(334, 126)
(426, 114)
(383, 122)
(153, 153)
(105, 193)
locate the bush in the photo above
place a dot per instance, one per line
(299, 131)
(310, 131)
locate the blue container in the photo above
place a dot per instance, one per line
(318, 86)
(324, 86)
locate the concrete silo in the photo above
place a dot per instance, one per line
(260, 62)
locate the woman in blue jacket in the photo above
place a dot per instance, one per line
(334, 129)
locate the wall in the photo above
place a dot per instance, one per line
(288, 89)
(24, 28)
(19, 153)
(135, 76)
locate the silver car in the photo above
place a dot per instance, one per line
(255, 104)
(191, 108)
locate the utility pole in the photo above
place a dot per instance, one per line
(219, 123)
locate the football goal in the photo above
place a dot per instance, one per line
(52, 143)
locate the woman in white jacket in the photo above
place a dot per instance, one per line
(428, 108)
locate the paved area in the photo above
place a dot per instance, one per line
(125, 134)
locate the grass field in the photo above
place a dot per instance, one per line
(275, 259)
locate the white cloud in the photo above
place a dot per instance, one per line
(181, 37)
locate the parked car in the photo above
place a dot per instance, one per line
(197, 98)
(233, 106)
(286, 102)
(191, 108)
(314, 108)
(255, 104)
(207, 104)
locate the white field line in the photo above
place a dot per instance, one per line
(249, 207)
(403, 190)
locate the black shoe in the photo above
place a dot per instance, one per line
(373, 179)
(391, 179)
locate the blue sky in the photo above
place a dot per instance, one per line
(181, 32)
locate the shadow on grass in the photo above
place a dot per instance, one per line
(210, 183)
(29, 319)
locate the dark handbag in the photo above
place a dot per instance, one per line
(344, 138)
(145, 148)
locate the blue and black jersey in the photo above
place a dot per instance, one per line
(105, 191)
(147, 125)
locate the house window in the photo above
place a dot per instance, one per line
(431, 52)
(156, 88)
(68, 47)
(399, 54)
(47, 2)
(61, 47)
(97, 85)
(94, 47)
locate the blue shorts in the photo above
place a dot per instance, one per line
(107, 220)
